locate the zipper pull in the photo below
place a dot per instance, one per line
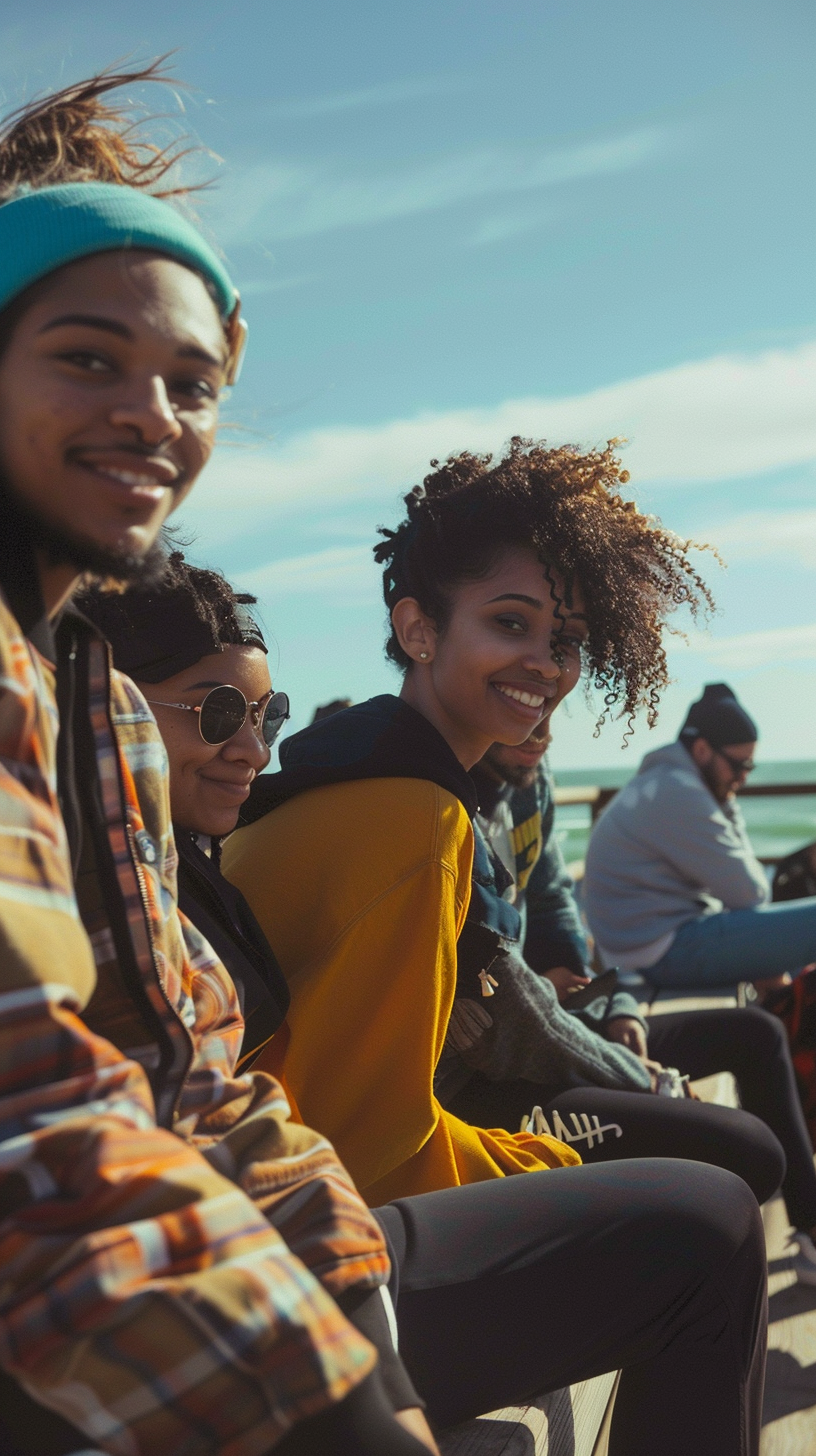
(488, 984)
(145, 846)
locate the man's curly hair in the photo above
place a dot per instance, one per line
(566, 504)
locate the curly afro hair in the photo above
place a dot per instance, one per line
(567, 506)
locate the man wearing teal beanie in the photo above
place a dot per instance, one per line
(154, 1298)
(673, 892)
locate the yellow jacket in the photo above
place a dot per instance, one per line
(362, 888)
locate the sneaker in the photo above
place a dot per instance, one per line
(804, 1262)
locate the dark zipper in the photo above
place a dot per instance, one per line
(143, 899)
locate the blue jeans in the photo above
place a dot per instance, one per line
(738, 945)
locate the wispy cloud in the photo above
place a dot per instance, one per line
(338, 570)
(715, 419)
(758, 649)
(787, 535)
(272, 201)
(387, 93)
(502, 226)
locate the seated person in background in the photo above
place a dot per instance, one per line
(358, 858)
(327, 710)
(574, 1064)
(673, 890)
(517, 817)
(487, 1297)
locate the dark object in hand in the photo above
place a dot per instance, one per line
(602, 985)
(795, 876)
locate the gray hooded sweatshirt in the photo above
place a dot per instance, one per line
(665, 852)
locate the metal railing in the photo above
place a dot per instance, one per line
(596, 797)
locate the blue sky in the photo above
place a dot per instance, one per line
(454, 222)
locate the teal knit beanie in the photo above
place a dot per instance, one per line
(43, 229)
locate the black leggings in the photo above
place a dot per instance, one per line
(361, 1425)
(606, 1126)
(754, 1046)
(520, 1285)
(517, 1286)
(766, 1143)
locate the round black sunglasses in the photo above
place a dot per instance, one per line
(223, 713)
(738, 766)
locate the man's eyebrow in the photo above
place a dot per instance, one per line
(89, 321)
(194, 351)
(191, 687)
(112, 326)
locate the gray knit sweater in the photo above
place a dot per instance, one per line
(522, 1032)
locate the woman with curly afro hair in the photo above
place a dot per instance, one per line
(362, 865)
(607, 569)
(500, 582)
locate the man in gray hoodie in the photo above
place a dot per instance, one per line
(673, 891)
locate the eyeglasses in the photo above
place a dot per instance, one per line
(223, 713)
(737, 766)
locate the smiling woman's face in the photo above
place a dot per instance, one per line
(209, 782)
(109, 390)
(508, 655)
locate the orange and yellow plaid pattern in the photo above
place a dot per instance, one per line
(167, 1235)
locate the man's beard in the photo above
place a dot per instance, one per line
(708, 773)
(518, 775)
(62, 547)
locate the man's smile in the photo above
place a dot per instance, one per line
(140, 476)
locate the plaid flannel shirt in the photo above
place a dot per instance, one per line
(167, 1235)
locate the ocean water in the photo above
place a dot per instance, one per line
(776, 825)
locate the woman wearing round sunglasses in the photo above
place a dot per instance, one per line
(231, 718)
(225, 710)
(200, 659)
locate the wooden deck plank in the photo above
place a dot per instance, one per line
(790, 1386)
(564, 1423)
(789, 1420)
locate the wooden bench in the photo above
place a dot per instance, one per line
(572, 1422)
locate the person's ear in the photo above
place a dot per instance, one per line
(415, 631)
(702, 752)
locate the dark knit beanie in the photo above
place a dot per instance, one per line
(718, 718)
(155, 634)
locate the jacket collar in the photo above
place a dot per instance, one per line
(381, 739)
